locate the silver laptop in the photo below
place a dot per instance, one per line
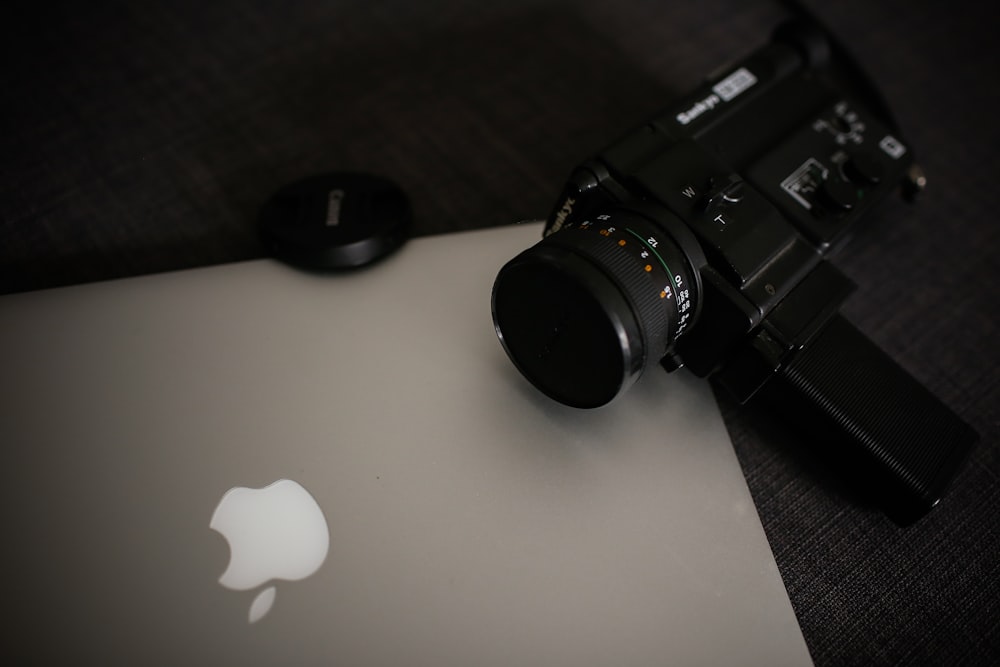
(247, 464)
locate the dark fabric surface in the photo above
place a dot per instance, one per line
(142, 137)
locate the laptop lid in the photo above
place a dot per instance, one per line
(247, 464)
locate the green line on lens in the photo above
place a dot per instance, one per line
(670, 274)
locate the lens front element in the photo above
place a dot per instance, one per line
(584, 312)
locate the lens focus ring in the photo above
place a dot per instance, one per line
(606, 252)
(583, 313)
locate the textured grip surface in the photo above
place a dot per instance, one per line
(914, 441)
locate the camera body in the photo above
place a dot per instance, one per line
(771, 166)
(700, 240)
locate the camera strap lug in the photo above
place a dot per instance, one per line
(914, 183)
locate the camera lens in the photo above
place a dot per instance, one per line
(583, 313)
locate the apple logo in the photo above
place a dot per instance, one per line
(277, 532)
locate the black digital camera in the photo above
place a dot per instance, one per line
(700, 240)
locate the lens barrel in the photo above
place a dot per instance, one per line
(583, 313)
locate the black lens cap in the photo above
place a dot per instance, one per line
(335, 221)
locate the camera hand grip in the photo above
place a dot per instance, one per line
(907, 442)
